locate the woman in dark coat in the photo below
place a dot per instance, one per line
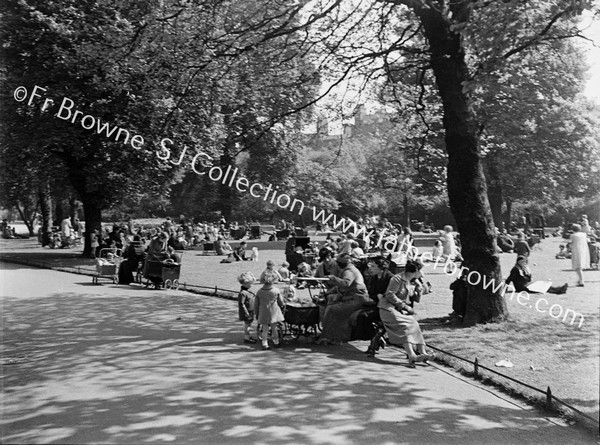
(133, 256)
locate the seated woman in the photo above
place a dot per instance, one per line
(157, 249)
(157, 252)
(520, 277)
(397, 316)
(505, 242)
(133, 255)
(379, 278)
(222, 247)
(521, 246)
(352, 294)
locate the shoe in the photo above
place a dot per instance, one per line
(580, 285)
(249, 340)
(411, 362)
(425, 357)
(266, 347)
(563, 289)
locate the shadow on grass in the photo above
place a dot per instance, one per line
(172, 367)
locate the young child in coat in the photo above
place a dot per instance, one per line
(246, 301)
(268, 307)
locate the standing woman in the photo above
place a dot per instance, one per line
(580, 252)
(397, 316)
(448, 242)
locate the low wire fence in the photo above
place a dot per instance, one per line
(232, 295)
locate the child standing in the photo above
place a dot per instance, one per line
(246, 301)
(268, 307)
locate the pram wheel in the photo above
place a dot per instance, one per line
(115, 280)
(168, 284)
(175, 284)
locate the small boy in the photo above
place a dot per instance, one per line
(246, 301)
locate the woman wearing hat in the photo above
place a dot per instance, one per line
(352, 294)
(397, 316)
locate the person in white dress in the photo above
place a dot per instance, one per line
(448, 243)
(580, 252)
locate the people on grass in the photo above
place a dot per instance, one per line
(521, 245)
(222, 247)
(520, 277)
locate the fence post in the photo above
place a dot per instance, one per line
(216, 290)
(548, 399)
(476, 369)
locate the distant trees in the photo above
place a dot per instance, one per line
(180, 78)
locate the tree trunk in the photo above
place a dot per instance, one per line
(508, 217)
(495, 192)
(28, 217)
(226, 196)
(45, 202)
(406, 205)
(93, 221)
(466, 183)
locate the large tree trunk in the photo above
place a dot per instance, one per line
(406, 205)
(466, 183)
(495, 192)
(28, 217)
(226, 196)
(508, 217)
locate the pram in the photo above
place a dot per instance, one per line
(255, 232)
(107, 264)
(301, 320)
(237, 234)
(163, 273)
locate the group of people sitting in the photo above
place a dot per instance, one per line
(134, 253)
(353, 299)
(349, 290)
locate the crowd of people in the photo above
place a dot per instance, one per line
(356, 290)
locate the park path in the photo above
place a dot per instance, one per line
(121, 364)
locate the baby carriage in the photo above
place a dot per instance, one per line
(163, 273)
(301, 320)
(255, 232)
(107, 265)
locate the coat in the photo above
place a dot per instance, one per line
(268, 305)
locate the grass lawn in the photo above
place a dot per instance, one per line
(545, 351)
